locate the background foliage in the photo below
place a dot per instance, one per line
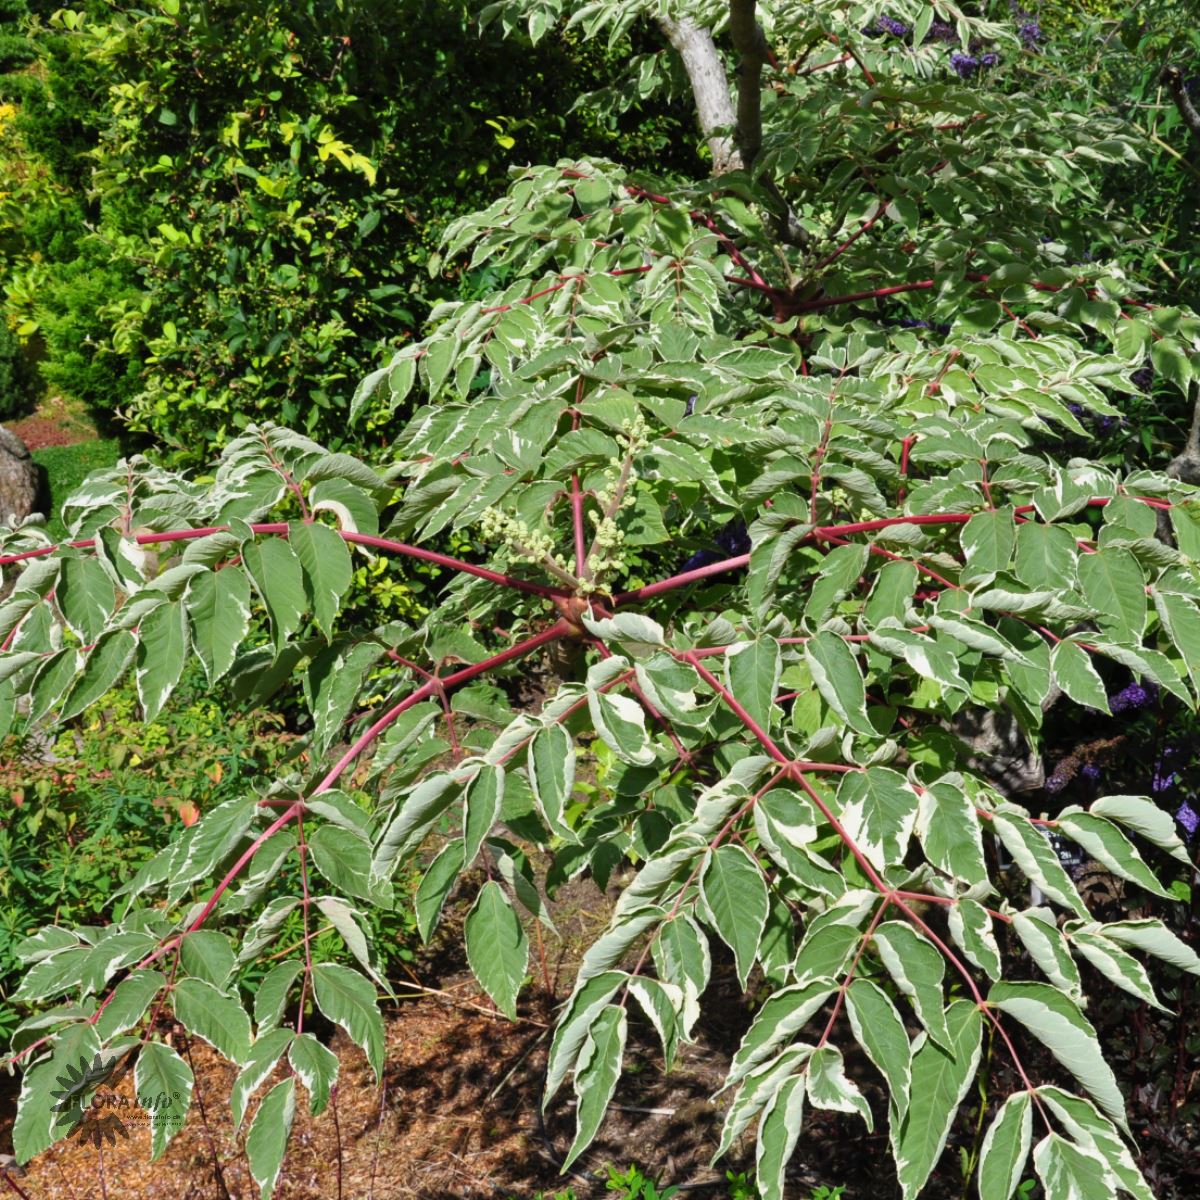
(828, 477)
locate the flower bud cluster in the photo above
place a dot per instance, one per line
(525, 544)
(606, 546)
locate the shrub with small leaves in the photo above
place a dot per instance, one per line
(791, 735)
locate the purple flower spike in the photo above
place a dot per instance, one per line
(1091, 771)
(892, 26)
(1189, 818)
(1132, 697)
(964, 65)
(941, 31)
(1030, 33)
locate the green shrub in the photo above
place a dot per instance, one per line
(264, 182)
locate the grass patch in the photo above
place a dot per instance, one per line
(68, 466)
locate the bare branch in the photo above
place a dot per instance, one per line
(714, 105)
(1172, 79)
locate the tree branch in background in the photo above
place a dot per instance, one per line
(714, 105)
(751, 47)
(1173, 80)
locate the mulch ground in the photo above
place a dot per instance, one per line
(55, 423)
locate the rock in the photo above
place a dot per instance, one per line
(18, 479)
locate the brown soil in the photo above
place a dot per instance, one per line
(56, 422)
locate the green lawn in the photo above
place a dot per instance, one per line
(67, 467)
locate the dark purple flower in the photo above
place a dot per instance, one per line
(1104, 424)
(734, 538)
(1163, 781)
(1189, 818)
(892, 26)
(941, 31)
(913, 323)
(1056, 781)
(1132, 697)
(1091, 771)
(1030, 33)
(1143, 377)
(989, 60)
(1075, 409)
(730, 541)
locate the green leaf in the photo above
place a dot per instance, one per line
(53, 1093)
(1113, 584)
(220, 1020)
(86, 596)
(971, 927)
(828, 1087)
(582, 1009)
(1109, 846)
(483, 799)
(879, 812)
(1143, 816)
(1057, 1023)
(681, 958)
(218, 603)
(1074, 673)
(436, 884)
(879, 1029)
(596, 1075)
(735, 902)
(1081, 1120)
(941, 1078)
(778, 1132)
(949, 832)
(207, 955)
(1181, 619)
(1036, 858)
(1005, 1148)
(161, 653)
(781, 1017)
(552, 777)
(348, 999)
(129, 1003)
(621, 723)
(257, 1069)
(752, 671)
(162, 1077)
(279, 581)
(271, 998)
(836, 673)
(1069, 1173)
(344, 858)
(1117, 966)
(1046, 556)
(497, 947)
(917, 967)
(1151, 936)
(1047, 946)
(419, 808)
(104, 665)
(317, 1067)
(987, 540)
(328, 571)
(838, 575)
(267, 1139)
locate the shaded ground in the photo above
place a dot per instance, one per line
(458, 1112)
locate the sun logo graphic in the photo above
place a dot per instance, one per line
(81, 1106)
